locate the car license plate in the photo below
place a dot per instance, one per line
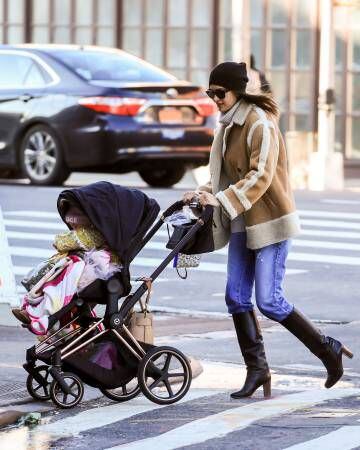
(170, 115)
(173, 134)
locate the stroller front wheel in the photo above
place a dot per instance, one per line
(39, 391)
(69, 399)
(164, 375)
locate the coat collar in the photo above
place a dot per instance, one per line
(241, 113)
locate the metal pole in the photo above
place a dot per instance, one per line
(326, 164)
(240, 33)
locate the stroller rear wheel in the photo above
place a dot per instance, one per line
(123, 393)
(67, 399)
(164, 375)
(39, 391)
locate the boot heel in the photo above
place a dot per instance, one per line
(347, 352)
(267, 389)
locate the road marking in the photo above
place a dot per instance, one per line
(100, 417)
(221, 424)
(31, 213)
(144, 262)
(326, 259)
(330, 224)
(30, 236)
(344, 438)
(331, 233)
(341, 202)
(328, 214)
(35, 252)
(35, 224)
(326, 244)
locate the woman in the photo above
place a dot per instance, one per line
(255, 212)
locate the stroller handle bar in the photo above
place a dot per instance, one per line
(205, 215)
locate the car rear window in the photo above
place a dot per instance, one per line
(110, 66)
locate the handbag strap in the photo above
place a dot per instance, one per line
(148, 282)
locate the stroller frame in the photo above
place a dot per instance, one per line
(113, 322)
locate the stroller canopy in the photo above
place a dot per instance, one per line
(121, 214)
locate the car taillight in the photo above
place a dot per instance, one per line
(206, 107)
(113, 105)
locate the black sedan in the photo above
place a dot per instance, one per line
(66, 108)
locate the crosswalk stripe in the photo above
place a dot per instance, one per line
(225, 422)
(32, 213)
(301, 212)
(35, 252)
(35, 224)
(100, 417)
(160, 245)
(152, 262)
(326, 244)
(326, 259)
(328, 214)
(329, 224)
(330, 233)
(22, 235)
(59, 225)
(344, 438)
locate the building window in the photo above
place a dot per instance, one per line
(283, 43)
(173, 34)
(347, 76)
(12, 18)
(74, 21)
(225, 31)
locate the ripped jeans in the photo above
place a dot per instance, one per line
(265, 267)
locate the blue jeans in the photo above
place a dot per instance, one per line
(265, 267)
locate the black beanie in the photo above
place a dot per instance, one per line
(230, 75)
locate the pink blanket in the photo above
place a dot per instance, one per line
(56, 294)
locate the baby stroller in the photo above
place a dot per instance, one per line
(102, 352)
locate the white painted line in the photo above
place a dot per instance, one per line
(296, 242)
(8, 292)
(344, 438)
(190, 312)
(100, 417)
(221, 424)
(31, 213)
(326, 244)
(331, 234)
(34, 252)
(326, 259)
(341, 202)
(35, 224)
(30, 236)
(330, 224)
(328, 214)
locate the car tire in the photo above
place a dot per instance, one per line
(42, 157)
(163, 177)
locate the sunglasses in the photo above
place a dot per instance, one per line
(219, 93)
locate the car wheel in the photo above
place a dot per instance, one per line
(165, 177)
(42, 158)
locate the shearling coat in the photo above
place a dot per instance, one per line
(249, 176)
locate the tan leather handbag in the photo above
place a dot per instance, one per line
(141, 326)
(141, 322)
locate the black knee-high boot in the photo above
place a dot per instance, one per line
(252, 348)
(327, 349)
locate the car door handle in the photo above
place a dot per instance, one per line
(26, 97)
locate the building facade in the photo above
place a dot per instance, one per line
(188, 37)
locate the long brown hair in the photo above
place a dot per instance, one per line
(263, 101)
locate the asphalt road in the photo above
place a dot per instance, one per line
(322, 281)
